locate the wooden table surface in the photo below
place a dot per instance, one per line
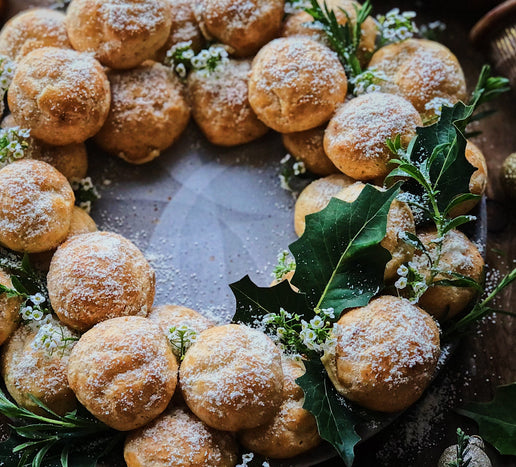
(484, 359)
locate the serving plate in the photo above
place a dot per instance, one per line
(206, 216)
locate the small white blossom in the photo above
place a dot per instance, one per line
(181, 70)
(317, 322)
(402, 271)
(26, 313)
(401, 283)
(328, 312)
(188, 54)
(299, 168)
(37, 299)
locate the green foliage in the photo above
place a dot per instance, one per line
(481, 309)
(343, 39)
(53, 440)
(339, 260)
(462, 446)
(496, 419)
(335, 422)
(285, 265)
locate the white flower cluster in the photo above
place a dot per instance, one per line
(183, 58)
(7, 69)
(85, 192)
(181, 338)
(299, 168)
(437, 104)
(295, 6)
(246, 458)
(33, 309)
(416, 282)
(367, 81)
(52, 336)
(13, 143)
(396, 26)
(314, 334)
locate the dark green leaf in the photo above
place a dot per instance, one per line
(335, 422)
(456, 222)
(18, 286)
(339, 262)
(459, 199)
(414, 241)
(496, 419)
(254, 302)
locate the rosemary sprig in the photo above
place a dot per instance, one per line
(462, 447)
(343, 39)
(41, 437)
(480, 310)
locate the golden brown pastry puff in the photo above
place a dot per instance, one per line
(121, 34)
(355, 139)
(167, 316)
(9, 310)
(123, 371)
(33, 29)
(221, 106)
(302, 24)
(36, 203)
(307, 146)
(296, 84)
(424, 72)
(231, 377)
(29, 369)
(178, 438)
(244, 25)
(184, 28)
(293, 430)
(385, 354)
(478, 180)
(148, 113)
(399, 220)
(61, 95)
(97, 276)
(316, 197)
(459, 255)
(71, 160)
(80, 223)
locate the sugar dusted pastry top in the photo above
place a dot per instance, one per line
(97, 276)
(36, 204)
(61, 95)
(231, 377)
(120, 33)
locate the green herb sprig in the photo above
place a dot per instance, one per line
(480, 310)
(438, 174)
(462, 446)
(40, 438)
(343, 39)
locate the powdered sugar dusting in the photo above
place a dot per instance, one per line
(390, 341)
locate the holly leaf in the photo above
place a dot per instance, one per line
(335, 422)
(339, 261)
(254, 302)
(496, 419)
